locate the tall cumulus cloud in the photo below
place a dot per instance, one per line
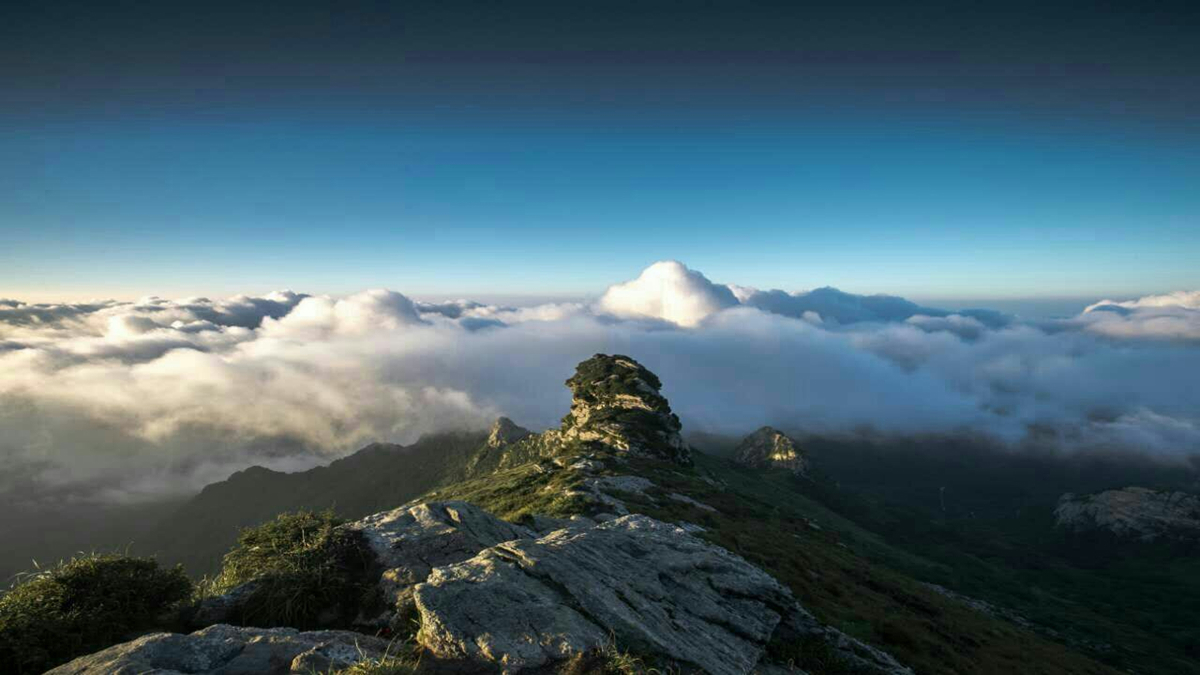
(126, 401)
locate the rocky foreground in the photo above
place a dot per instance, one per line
(481, 594)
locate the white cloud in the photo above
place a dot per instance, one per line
(128, 400)
(365, 312)
(1173, 316)
(668, 290)
(1185, 299)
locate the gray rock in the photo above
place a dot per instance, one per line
(617, 405)
(634, 484)
(688, 500)
(505, 432)
(545, 524)
(221, 608)
(1135, 513)
(651, 585)
(230, 650)
(409, 542)
(771, 448)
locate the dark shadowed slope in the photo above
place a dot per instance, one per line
(378, 477)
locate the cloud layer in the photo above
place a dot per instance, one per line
(126, 401)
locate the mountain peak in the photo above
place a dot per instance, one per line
(616, 402)
(504, 432)
(769, 447)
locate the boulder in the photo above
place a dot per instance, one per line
(771, 448)
(231, 650)
(409, 542)
(649, 585)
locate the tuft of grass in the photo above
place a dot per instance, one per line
(610, 660)
(404, 660)
(307, 572)
(82, 605)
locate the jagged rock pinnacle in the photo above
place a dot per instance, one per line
(616, 403)
(769, 447)
(504, 431)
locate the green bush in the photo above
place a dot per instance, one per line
(81, 606)
(307, 572)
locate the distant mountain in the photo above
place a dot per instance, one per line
(1133, 513)
(377, 477)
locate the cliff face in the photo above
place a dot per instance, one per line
(1133, 513)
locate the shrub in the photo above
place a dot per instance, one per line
(307, 572)
(83, 605)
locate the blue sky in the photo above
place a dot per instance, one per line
(943, 209)
(528, 151)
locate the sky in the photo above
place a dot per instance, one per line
(538, 151)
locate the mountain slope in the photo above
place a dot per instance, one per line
(378, 477)
(619, 455)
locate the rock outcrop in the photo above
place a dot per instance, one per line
(231, 650)
(490, 595)
(506, 432)
(650, 586)
(410, 542)
(407, 544)
(771, 448)
(617, 404)
(1134, 513)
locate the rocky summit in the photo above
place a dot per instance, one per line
(616, 403)
(506, 432)
(1135, 513)
(771, 448)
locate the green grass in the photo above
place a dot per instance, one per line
(609, 660)
(1132, 606)
(836, 573)
(815, 656)
(517, 494)
(307, 572)
(82, 605)
(401, 659)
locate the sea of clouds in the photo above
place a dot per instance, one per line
(116, 401)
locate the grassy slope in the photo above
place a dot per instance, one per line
(376, 478)
(764, 518)
(1133, 606)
